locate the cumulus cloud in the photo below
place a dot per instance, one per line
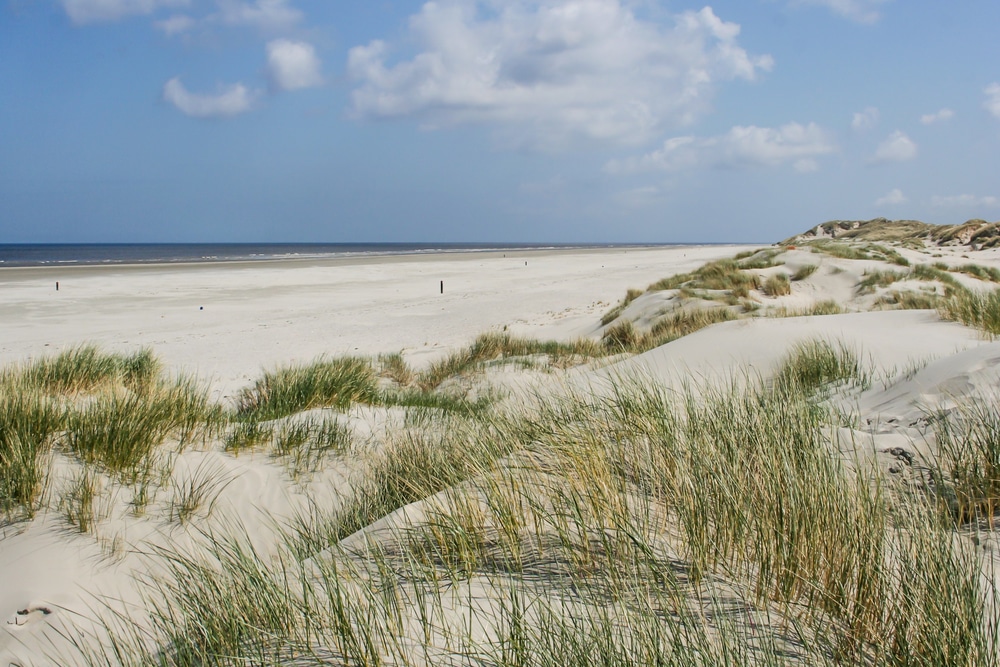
(293, 65)
(552, 69)
(862, 11)
(739, 148)
(270, 15)
(896, 148)
(229, 101)
(95, 11)
(865, 120)
(992, 102)
(937, 116)
(964, 201)
(176, 24)
(892, 198)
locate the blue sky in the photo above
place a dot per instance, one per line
(490, 120)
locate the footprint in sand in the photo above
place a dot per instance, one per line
(28, 616)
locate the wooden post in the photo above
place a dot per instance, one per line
(442, 287)
(57, 285)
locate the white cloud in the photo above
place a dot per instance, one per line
(740, 147)
(293, 65)
(937, 116)
(865, 120)
(896, 148)
(95, 11)
(271, 15)
(176, 24)
(964, 201)
(992, 102)
(862, 11)
(229, 101)
(551, 69)
(892, 198)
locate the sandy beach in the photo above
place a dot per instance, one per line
(102, 540)
(224, 322)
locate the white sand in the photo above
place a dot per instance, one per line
(260, 314)
(225, 322)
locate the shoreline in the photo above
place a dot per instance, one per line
(223, 321)
(357, 257)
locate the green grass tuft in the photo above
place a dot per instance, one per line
(323, 383)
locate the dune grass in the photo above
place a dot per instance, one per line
(29, 423)
(86, 368)
(974, 309)
(610, 316)
(723, 274)
(848, 250)
(284, 391)
(986, 273)
(777, 285)
(804, 272)
(719, 527)
(494, 346)
(120, 431)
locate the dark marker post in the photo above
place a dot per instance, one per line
(57, 285)
(442, 287)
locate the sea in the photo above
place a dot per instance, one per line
(19, 255)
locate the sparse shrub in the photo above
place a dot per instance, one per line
(82, 504)
(197, 492)
(620, 338)
(394, 367)
(877, 278)
(987, 273)
(827, 307)
(121, 430)
(804, 272)
(777, 285)
(249, 434)
(86, 368)
(28, 422)
(816, 363)
(324, 383)
(979, 310)
(723, 274)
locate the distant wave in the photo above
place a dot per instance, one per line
(15, 255)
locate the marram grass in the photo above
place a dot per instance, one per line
(630, 527)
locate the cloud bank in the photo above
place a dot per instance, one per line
(96, 11)
(862, 11)
(892, 198)
(293, 65)
(552, 68)
(739, 148)
(937, 117)
(229, 101)
(896, 148)
(992, 103)
(865, 120)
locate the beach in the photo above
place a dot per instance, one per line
(381, 459)
(225, 322)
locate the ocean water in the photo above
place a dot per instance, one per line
(170, 253)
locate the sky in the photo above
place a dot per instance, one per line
(598, 121)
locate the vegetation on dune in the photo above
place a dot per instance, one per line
(630, 296)
(804, 272)
(719, 527)
(84, 369)
(324, 383)
(723, 274)
(777, 285)
(979, 310)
